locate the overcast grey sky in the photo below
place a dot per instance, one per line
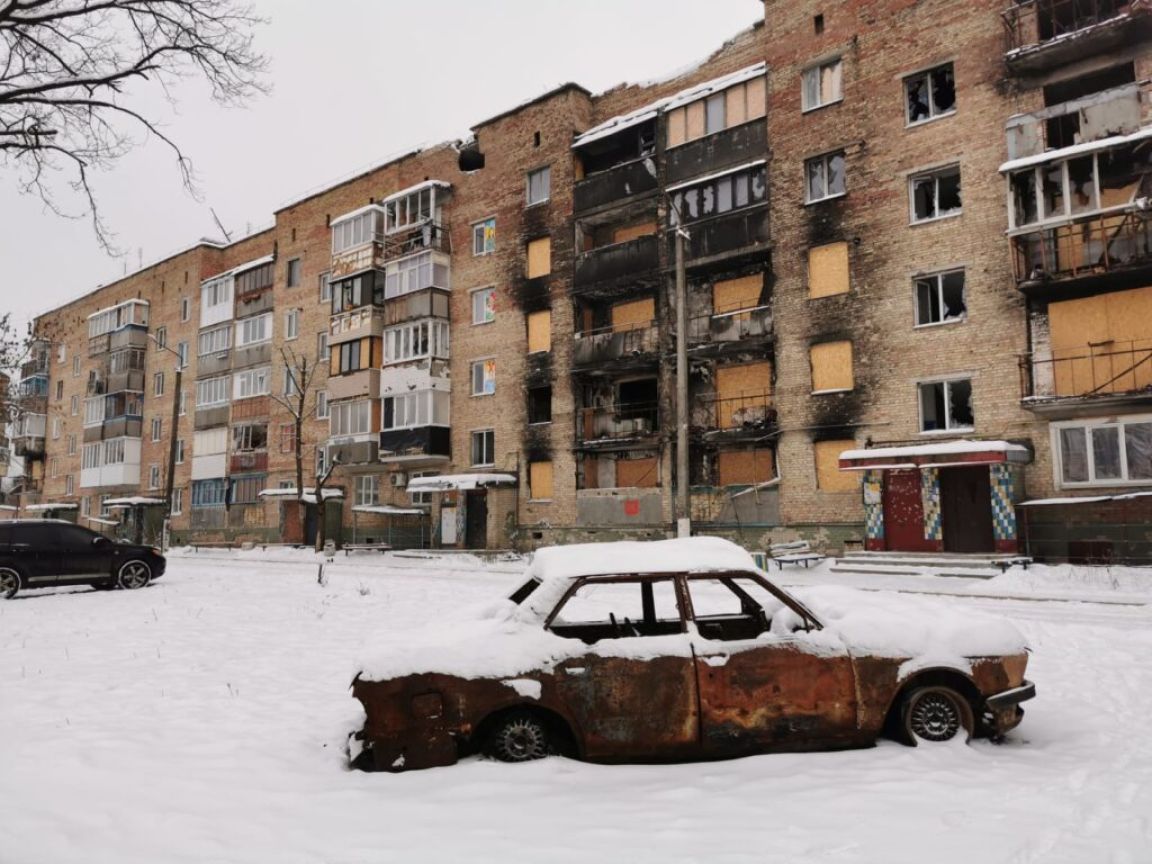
(354, 81)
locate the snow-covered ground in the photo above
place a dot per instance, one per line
(202, 720)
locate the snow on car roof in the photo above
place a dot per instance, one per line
(631, 556)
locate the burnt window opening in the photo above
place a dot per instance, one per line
(818, 24)
(1065, 129)
(940, 298)
(540, 404)
(936, 195)
(637, 400)
(946, 406)
(731, 192)
(930, 94)
(1058, 17)
(626, 146)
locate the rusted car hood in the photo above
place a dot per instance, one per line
(499, 643)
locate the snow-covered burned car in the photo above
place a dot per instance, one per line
(676, 650)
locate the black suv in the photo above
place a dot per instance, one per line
(41, 553)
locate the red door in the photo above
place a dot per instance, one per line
(903, 512)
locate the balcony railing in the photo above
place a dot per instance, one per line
(615, 184)
(637, 342)
(248, 460)
(1110, 370)
(618, 423)
(418, 238)
(751, 411)
(618, 261)
(755, 323)
(1038, 31)
(424, 303)
(1101, 115)
(1096, 245)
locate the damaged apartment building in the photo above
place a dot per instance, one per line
(915, 240)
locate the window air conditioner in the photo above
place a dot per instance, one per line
(399, 479)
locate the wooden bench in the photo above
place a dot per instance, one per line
(366, 547)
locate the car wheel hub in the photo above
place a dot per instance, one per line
(134, 575)
(523, 741)
(935, 717)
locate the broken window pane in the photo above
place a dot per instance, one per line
(1053, 179)
(539, 404)
(707, 200)
(816, 181)
(759, 185)
(948, 192)
(1106, 452)
(932, 412)
(740, 182)
(825, 178)
(1138, 447)
(724, 195)
(923, 198)
(936, 195)
(821, 85)
(940, 298)
(960, 405)
(1073, 455)
(836, 174)
(943, 90)
(952, 293)
(1024, 198)
(916, 93)
(1082, 184)
(930, 94)
(927, 301)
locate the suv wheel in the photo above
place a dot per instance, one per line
(9, 583)
(134, 574)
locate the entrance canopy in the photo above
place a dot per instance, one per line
(385, 510)
(135, 501)
(309, 493)
(943, 454)
(44, 508)
(446, 482)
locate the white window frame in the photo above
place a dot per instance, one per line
(474, 296)
(322, 405)
(294, 264)
(816, 69)
(177, 501)
(546, 173)
(323, 349)
(484, 389)
(421, 499)
(185, 308)
(218, 340)
(250, 383)
(1088, 424)
(933, 114)
(401, 342)
(179, 451)
(934, 174)
(254, 331)
(325, 280)
(350, 418)
(358, 230)
(823, 159)
(291, 324)
(160, 338)
(479, 244)
(938, 277)
(218, 389)
(366, 490)
(471, 448)
(157, 428)
(948, 429)
(154, 476)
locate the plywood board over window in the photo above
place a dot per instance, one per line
(539, 257)
(731, 295)
(832, 366)
(540, 331)
(633, 315)
(1098, 343)
(828, 270)
(829, 477)
(631, 232)
(540, 480)
(743, 394)
(745, 467)
(640, 473)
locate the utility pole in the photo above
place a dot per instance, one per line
(684, 519)
(173, 435)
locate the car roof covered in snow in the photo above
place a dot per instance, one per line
(556, 567)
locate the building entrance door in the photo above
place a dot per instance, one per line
(476, 519)
(904, 512)
(966, 509)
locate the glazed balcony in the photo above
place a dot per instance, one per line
(30, 446)
(618, 261)
(1043, 35)
(416, 444)
(354, 449)
(356, 324)
(628, 424)
(615, 185)
(1101, 248)
(1078, 121)
(248, 460)
(1094, 378)
(430, 302)
(363, 383)
(617, 349)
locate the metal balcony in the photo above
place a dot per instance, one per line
(1094, 248)
(618, 261)
(623, 182)
(1045, 34)
(1117, 374)
(612, 349)
(618, 426)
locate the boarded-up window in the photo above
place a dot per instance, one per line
(738, 104)
(745, 467)
(828, 270)
(734, 294)
(832, 366)
(756, 90)
(735, 108)
(743, 394)
(540, 480)
(677, 127)
(631, 232)
(643, 473)
(540, 331)
(1098, 343)
(695, 120)
(539, 257)
(829, 477)
(633, 315)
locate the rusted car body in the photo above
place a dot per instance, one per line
(695, 674)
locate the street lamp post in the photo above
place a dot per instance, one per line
(169, 484)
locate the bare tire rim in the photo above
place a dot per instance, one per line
(9, 583)
(134, 574)
(936, 717)
(522, 740)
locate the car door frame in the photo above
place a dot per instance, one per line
(38, 564)
(812, 688)
(658, 695)
(95, 561)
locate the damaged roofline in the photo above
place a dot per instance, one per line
(543, 97)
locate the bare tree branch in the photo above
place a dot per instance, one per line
(69, 70)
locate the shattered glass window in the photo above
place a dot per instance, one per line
(825, 177)
(930, 94)
(937, 194)
(1106, 452)
(1138, 447)
(940, 298)
(1024, 197)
